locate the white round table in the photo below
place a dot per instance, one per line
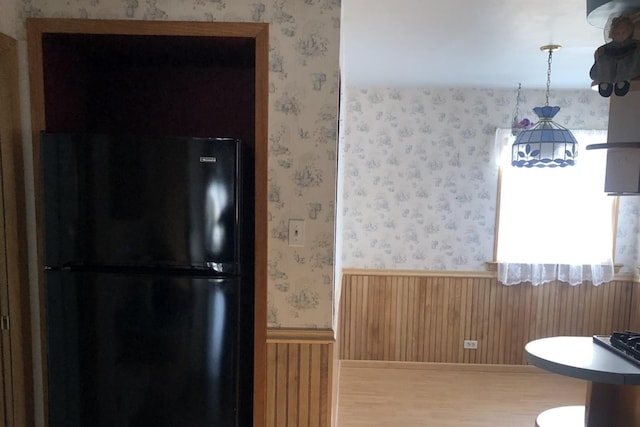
(613, 392)
(565, 416)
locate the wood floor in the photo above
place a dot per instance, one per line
(397, 394)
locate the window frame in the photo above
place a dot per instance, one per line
(500, 149)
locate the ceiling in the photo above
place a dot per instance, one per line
(463, 43)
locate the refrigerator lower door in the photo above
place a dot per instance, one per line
(142, 350)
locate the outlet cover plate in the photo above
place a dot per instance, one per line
(470, 344)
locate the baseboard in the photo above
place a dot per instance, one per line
(281, 335)
(458, 367)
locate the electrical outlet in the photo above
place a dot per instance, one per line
(296, 232)
(470, 344)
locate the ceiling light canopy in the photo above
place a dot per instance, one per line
(546, 144)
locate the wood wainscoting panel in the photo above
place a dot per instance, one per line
(427, 318)
(299, 378)
(634, 322)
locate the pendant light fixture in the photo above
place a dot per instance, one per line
(546, 144)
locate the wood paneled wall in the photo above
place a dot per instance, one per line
(299, 378)
(426, 319)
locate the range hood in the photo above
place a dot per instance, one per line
(623, 172)
(623, 146)
(623, 168)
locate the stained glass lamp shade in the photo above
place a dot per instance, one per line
(546, 144)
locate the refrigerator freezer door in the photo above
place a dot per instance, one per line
(144, 201)
(133, 351)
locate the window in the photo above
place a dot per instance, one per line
(555, 223)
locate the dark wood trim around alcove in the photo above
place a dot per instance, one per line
(198, 37)
(14, 284)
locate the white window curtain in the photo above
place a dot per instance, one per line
(555, 223)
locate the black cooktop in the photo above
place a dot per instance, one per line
(625, 344)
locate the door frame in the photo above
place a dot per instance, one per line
(36, 27)
(14, 282)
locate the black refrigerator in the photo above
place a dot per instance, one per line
(148, 266)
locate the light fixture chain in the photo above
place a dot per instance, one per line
(549, 75)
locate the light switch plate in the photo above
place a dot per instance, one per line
(296, 232)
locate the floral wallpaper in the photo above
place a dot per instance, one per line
(303, 98)
(420, 174)
(8, 18)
